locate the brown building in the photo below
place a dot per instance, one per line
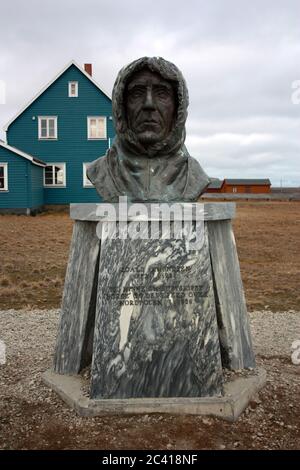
(254, 186)
(215, 186)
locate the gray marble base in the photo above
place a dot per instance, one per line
(156, 332)
(152, 318)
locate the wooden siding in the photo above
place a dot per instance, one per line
(72, 146)
(36, 190)
(240, 188)
(23, 179)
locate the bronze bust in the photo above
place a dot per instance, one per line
(148, 160)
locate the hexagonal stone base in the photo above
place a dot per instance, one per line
(237, 395)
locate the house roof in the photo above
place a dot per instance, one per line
(49, 84)
(248, 181)
(32, 159)
(215, 184)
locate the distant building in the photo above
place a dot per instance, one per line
(64, 127)
(245, 186)
(255, 186)
(215, 186)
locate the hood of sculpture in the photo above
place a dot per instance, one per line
(158, 170)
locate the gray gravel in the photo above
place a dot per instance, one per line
(274, 332)
(32, 416)
(29, 335)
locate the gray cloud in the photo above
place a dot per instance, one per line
(239, 60)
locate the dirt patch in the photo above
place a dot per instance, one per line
(34, 417)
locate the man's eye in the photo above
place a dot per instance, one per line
(162, 93)
(136, 93)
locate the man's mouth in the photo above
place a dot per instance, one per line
(149, 123)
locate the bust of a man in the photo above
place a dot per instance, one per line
(148, 160)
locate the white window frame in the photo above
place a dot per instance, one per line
(4, 165)
(75, 95)
(89, 128)
(55, 185)
(85, 181)
(40, 128)
(234, 190)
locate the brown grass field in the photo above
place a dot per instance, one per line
(35, 252)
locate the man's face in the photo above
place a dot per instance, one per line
(150, 106)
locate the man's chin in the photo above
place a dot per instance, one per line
(149, 138)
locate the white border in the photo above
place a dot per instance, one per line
(4, 164)
(88, 127)
(55, 185)
(40, 127)
(50, 83)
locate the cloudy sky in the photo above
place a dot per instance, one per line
(239, 59)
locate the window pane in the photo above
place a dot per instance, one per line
(51, 128)
(43, 124)
(59, 175)
(1, 172)
(100, 128)
(48, 175)
(93, 128)
(1, 183)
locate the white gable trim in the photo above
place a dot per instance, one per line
(22, 154)
(50, 83)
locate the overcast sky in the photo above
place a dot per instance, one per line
(239, 59)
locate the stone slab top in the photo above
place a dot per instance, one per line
(108, 212)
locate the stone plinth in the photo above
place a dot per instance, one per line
(152, 316)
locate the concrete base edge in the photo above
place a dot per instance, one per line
(238, 393)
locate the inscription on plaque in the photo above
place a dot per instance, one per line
(166, 288)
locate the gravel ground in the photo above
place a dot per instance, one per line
(33, 417)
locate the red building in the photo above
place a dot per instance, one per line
(254, 186)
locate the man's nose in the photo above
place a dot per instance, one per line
(149, 101)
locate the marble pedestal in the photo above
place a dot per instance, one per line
(152, 317)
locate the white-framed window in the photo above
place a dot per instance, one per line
(47, 127)
(96, 127)
(73, 89)
(86, 181)
(55, 175)
(234, 190)
(3, 177)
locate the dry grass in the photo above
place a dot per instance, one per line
(35, 251)
(268, 242)
(34, 258)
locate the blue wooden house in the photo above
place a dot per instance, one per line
(50, 142)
